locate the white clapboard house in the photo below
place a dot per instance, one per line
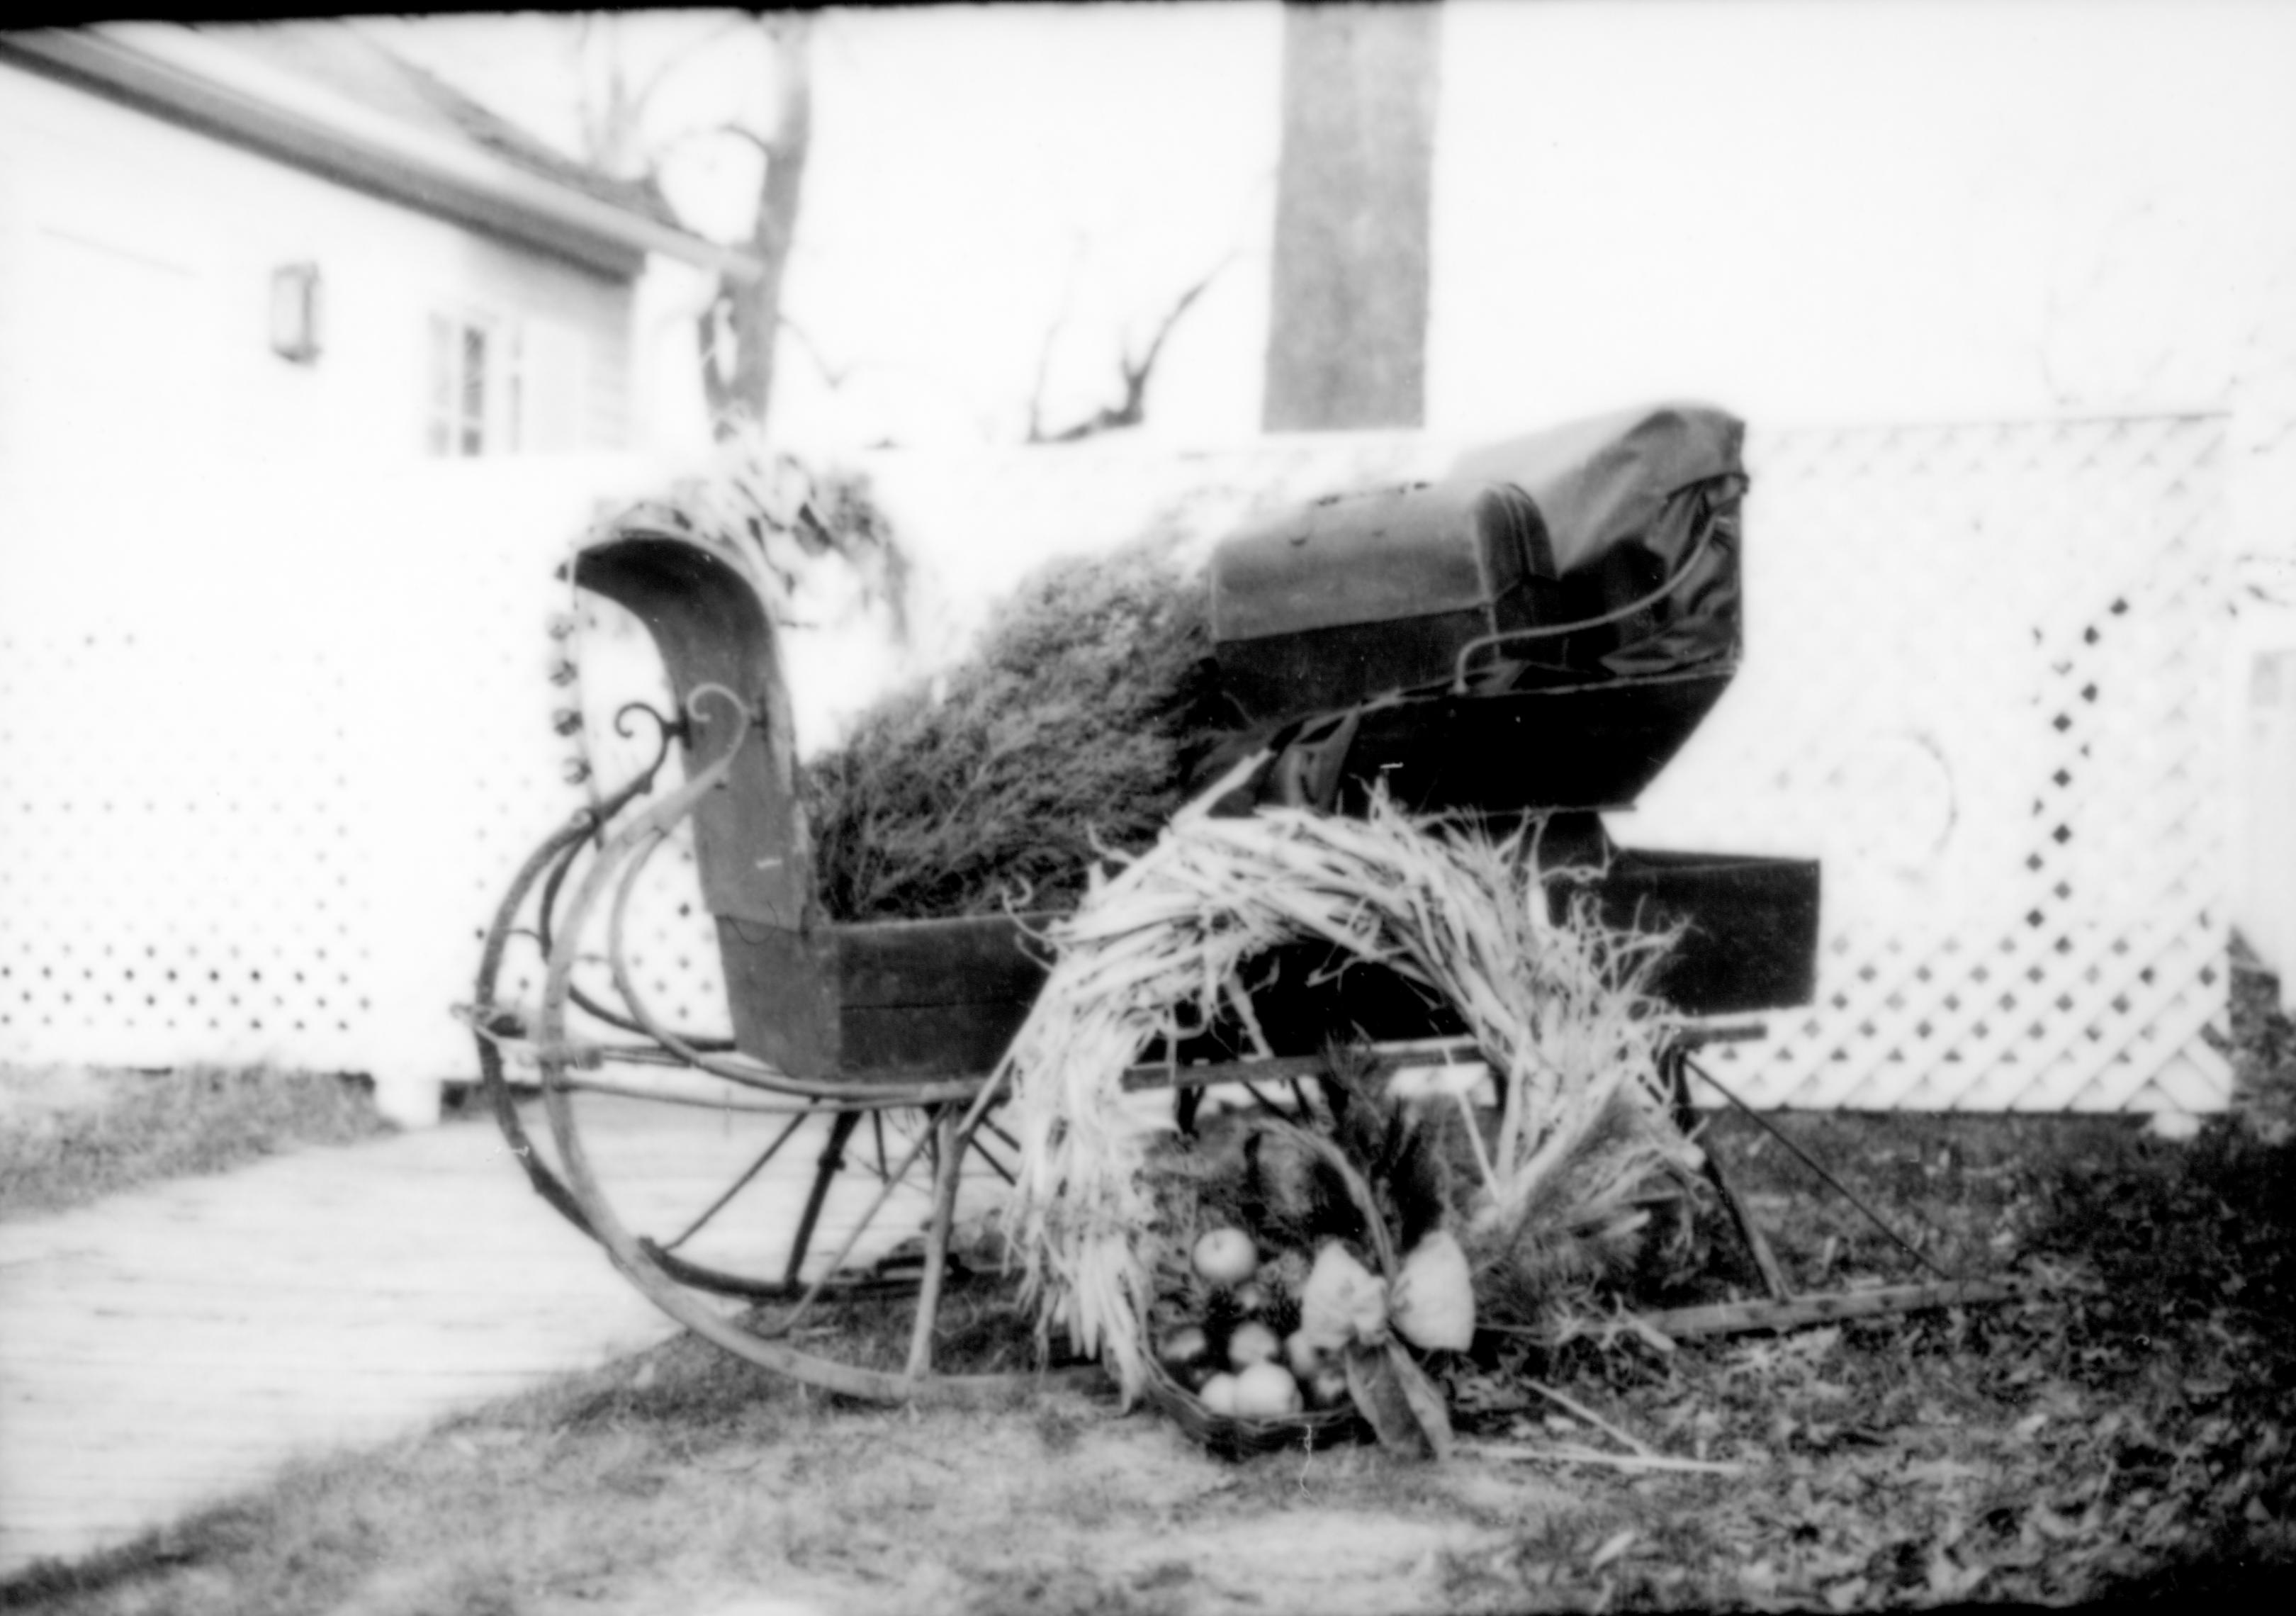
(284, 241)
(309, 370)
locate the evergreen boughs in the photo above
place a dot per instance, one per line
(1068, 734)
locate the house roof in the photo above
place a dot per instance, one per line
(326, 97)
(343, 58)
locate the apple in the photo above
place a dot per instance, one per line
(1266, 1391)
(1186, 1354)
(1303, 1355)
(1253, 1343)
(1226, 1257)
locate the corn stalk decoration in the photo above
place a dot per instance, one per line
(1557, 1006)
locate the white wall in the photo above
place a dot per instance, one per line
(2263, 730)
(136, 260)
(271, 741)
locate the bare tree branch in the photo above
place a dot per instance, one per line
(1052, 339)
(608, 129)
(1138, 372)
(836, 378)
(683, 54)
(751, 315)
(1133, 376)
(720, 131)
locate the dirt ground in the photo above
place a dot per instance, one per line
(959, 1513)
(1059, 1504)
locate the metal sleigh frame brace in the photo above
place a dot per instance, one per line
(1783, 1309)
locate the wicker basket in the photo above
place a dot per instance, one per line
(1238, 1436)
(1233, 1436)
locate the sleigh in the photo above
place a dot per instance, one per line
(1531, 637)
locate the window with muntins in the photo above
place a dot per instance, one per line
(475, 387)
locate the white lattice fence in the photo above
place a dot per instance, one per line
(670, 941)
(271, 739)
(1984, 688)
(271, 745)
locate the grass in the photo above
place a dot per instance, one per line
(2129, 1436)
(667, 1483)
(2126, 1436)
(69, 1138)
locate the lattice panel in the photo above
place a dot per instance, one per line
(221, 913)
(272, 745)
(271, 739)
(179, 872)
(1983, 686)
(669, 941)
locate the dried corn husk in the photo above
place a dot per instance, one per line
(1433, 1305)
(1156, 949)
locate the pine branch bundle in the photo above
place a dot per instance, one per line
(1068, 734)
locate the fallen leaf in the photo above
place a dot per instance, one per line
(1614, 1545)
(1942, 1473)
(1658, 1340)
(730, 1461)
(1815, 1344)
(1947, 1580)
(2053, 1524)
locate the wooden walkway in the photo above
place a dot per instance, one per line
(162, 1349)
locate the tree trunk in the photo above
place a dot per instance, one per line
(1348, 320)
(746, 319)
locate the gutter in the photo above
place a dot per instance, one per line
(176, 73)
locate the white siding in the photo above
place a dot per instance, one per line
(554, 364)
(135, 264)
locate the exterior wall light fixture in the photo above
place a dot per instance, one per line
(295, 312)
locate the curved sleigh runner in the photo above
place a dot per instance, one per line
(831, 1049)
(1529, 642)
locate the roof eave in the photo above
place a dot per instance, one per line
(176, 73)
